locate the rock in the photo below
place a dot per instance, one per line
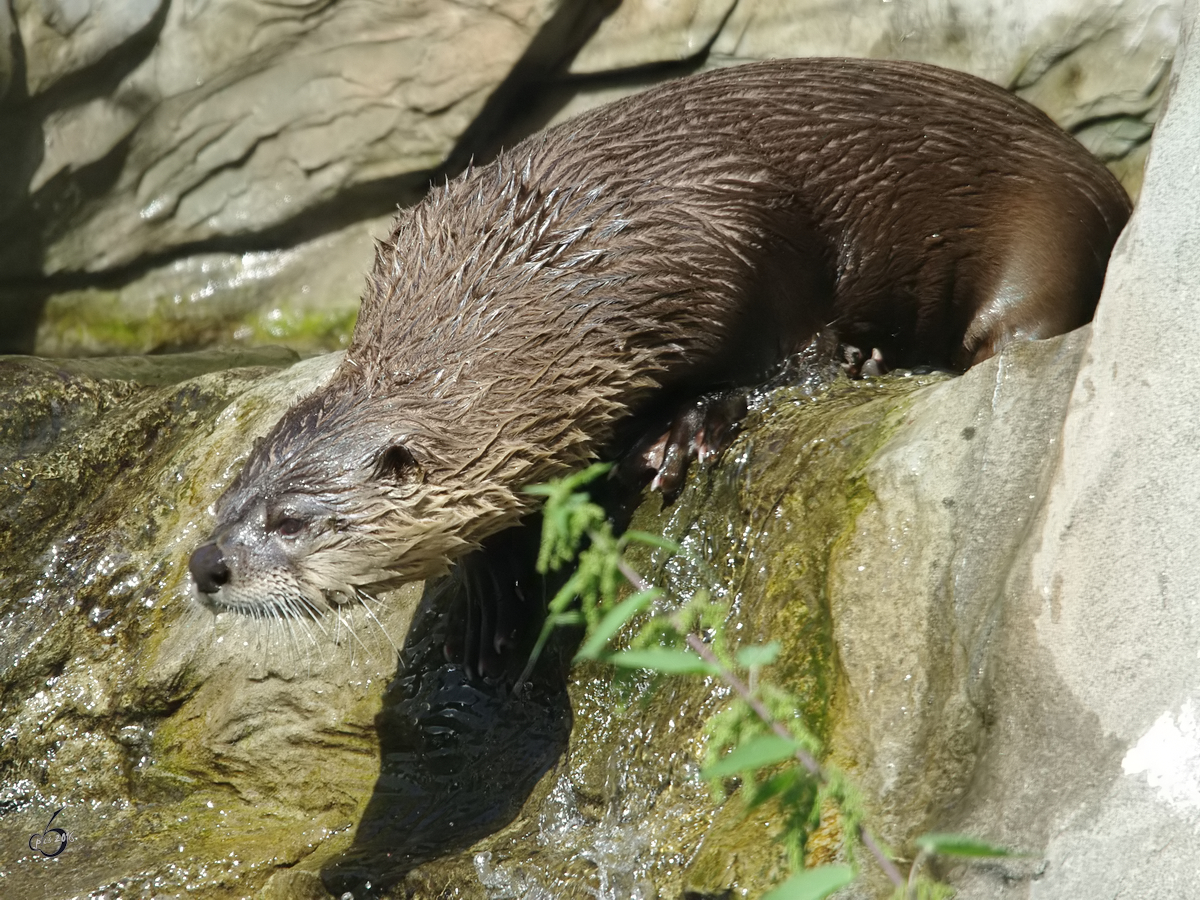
(360, 94)
(644, 32)
(1095, 688)
(305, 296)
(918, 587)
(624, 810)
(854, 511)
(200, 753)
(63, 37)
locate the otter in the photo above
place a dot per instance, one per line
(678, 242)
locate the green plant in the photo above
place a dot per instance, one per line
(760, 737)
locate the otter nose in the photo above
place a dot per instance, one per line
(208, 568)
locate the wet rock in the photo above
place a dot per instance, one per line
(106, 660)
(872, 530)
(305, 296)
(213, 755)
(921, 586)
(625, 812)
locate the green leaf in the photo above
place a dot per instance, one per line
(566, 595)
(764, 750)
(786, 785)
(613, 620)
(654, 540)
(662, 659)
(563, 487)
(812, 884)
(960, 845)
(761, 655)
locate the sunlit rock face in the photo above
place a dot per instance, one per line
(1108, 620)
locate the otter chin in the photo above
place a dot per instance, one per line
(679, 243)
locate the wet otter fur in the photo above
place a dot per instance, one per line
(672, 243)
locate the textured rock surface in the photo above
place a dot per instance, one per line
(191, 753)
(147, 132)
(885, 536)
(357, 93)
(643, 32)
(148, 721)
(875, 526)
(62, 37)
(176, 752)
(1096, 687)
(305, 297)
(917, 590)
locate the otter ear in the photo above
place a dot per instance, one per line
(396, 463)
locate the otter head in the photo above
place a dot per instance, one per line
(338, 499)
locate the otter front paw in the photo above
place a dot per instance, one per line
(699, 431)
(497, 605)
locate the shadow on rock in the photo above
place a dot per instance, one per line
(458, 755)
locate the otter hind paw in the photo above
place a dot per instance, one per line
(858, 365)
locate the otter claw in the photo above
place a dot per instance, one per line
(700, 432)
(857, 365)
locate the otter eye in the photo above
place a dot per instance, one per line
(290, 526)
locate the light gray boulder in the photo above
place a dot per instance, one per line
(62, 37)
(645, 32)
(1104, 626)
(246, 114)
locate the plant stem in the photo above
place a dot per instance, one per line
(805, 758)
(639, 583)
